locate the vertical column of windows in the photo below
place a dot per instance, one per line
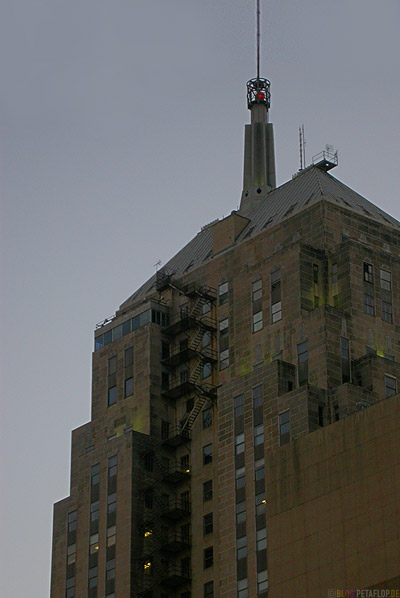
(223, 343)
(276, 298)
(240, 486)
(302, 361)
(111, 525)
(369, 296)
(94, 531)
(112, 381)
(71, 554)
(259, 491)
(256, 305)
(128, 377)
(386, 295)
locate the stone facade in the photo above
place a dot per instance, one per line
(176, 398)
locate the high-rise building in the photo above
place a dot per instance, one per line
(244, 437)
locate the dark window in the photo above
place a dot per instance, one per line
(224, 343)
(241, 547)
(165, 380)
(207, 490)
(390, 386)
(98, 342)
(256, 299)
(128, 356)
(315, 273)
(209, 589)
(387, 312)
(148, 500)
(207, 454)
(368, 273)
(111, 503)
(239, 405)
(95, 474)
(112, 466)
(369, 305)
(126, 328)
(112, 365)
(284, 428)
(207, 417)
(345, 356)
(208, 523)
(107, 337)
(164, 430)
(320, 415)
(208, 557)
(276, 299)
(257, 397)
(239, 443)
(240, 475)
(223, 293)
(302, 359)
(128, 387)
(72, 517)
(112, 395)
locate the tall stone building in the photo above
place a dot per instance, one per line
(244, 438)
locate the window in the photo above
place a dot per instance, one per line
(241, 547)
(386, 280)
(208, 557)
(239, 443)
(207, 454)
(71, 554)
(369, 300)
(261, 503)
(284, 428)
(334, 274)
(256, 300)
(259, 469)
(302, 359)
(112, 365)
(223, 293)
(110, 569)
(261, 539)
(72, 521)
(185, 465)
(345, 356)
(208, 524)
(94, 510)
(206, 370)
(258, 435)
(207, 491)
(257, 397)
(206, 340)
(240, 475)
(262, 581)
(206, 308)
(276, 299)
(241, 515)
(390, 386)
(164, 430)
(369, 304)
(93, 577)
(128, 356)
(128, 387)
(315, 273)
(112, 395)
(94, 543)
(242, 589)
(209, 589)
(207, 417)
(111, 502)
(111, 536)
(112, 466)
(224, 343)
(239, 406)
(368, 273)
(387, 313)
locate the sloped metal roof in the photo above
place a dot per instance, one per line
(283, 202)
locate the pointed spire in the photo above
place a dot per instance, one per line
(259, 155)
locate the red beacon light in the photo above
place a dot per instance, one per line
(260, 96)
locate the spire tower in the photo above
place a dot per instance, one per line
(259, 155)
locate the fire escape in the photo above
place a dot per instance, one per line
(165, 564)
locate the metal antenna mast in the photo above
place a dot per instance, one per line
(258, 39)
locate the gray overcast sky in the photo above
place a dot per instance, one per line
(121, 134)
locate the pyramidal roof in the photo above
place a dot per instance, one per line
(306, 188)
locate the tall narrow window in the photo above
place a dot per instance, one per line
(386, 294)
(284, 428)
(256, 303)
(345, 357)
(390, 386)
(316, 284)
(224, 343)
(223, 293)
(276, 299)
(302, 360)
(369, 296)
(334, 280)
(206, 417)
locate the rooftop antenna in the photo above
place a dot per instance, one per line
(258, 40)
(302, 140)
